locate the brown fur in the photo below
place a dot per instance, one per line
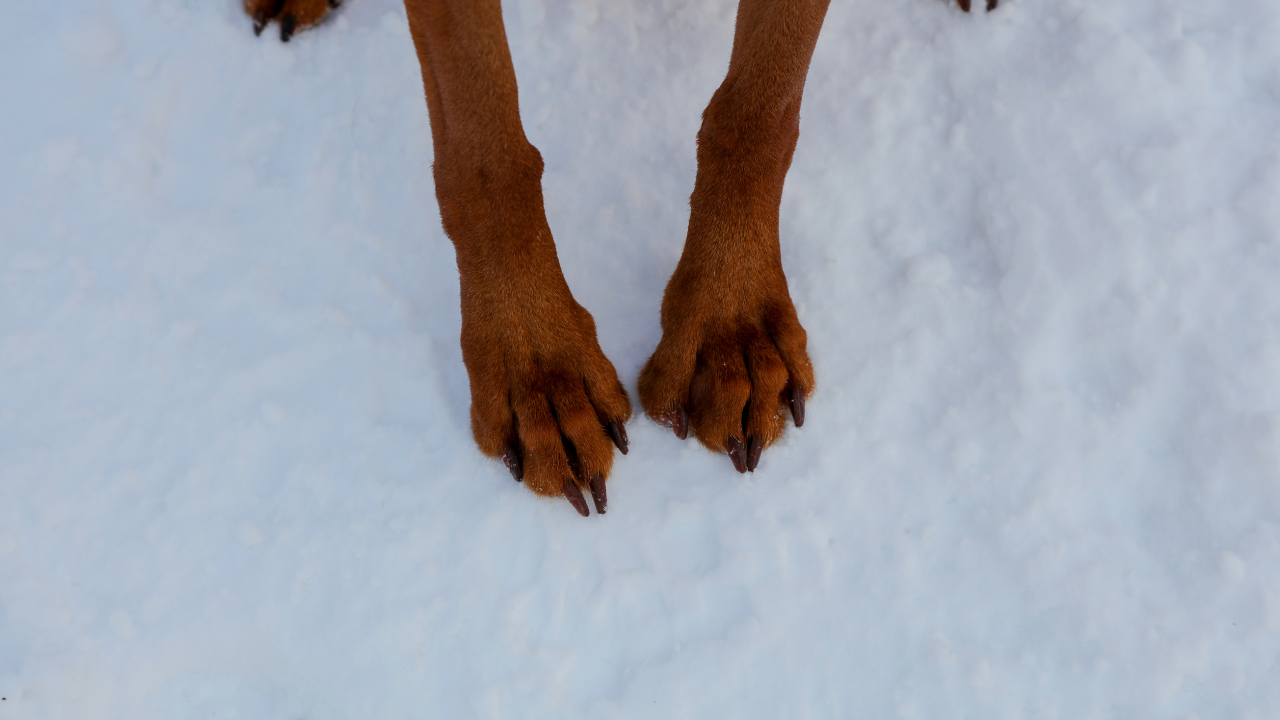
(292, 15)
(732, 358)
(732, 349)
(541, 389)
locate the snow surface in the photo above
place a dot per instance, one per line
(1036, 251)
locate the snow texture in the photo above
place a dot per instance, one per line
(1037, 252)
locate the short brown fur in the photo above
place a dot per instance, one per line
(732, 358)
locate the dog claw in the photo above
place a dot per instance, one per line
(598, 494)
(264, 14)
(618, 433)
(511, 458)
(755, 446)
(733, 446)
(964, 5)
(287, 25)
(574, 495)
(797, 405)
(991, 5)
(680, 423)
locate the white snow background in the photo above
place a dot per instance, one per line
(1037, 252)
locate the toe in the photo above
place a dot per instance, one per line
(766, 413)
(262, 12)
(664, 384)
(543, 459)
(604, 389)
(719, 392)
(492, 423)
(293, 15)
(609, 398)
(586, 439)
(790, 340)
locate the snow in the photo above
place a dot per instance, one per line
(1035, 250)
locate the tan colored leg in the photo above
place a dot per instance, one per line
(543, 395)
(732, 359)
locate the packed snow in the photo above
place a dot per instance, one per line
(1037, 252)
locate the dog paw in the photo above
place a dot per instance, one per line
(544, 398)
(293, 15)
(732, 363)
(991, 5)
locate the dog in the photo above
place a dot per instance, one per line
(732, 362)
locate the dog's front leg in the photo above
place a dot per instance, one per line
(543, 396)
(732, 359)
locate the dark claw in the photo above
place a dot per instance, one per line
(797, 405)
(334, 3)
(964, 5)
(287, 24)
(755, 446)
(618, 433)
(574, 496)
(598, 494)
(512, 459)
(991, 5)
(680, 423)
(264, 15)
(733, 446)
